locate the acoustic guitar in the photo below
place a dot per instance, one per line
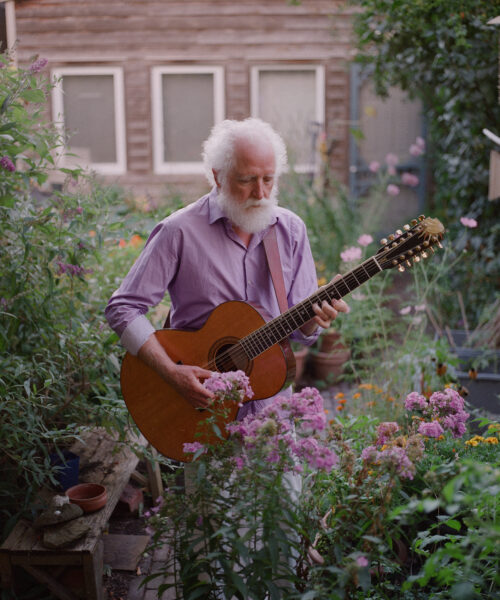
(236, 336)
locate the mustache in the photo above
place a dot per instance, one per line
(256, 203)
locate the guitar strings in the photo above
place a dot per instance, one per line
(273, 332)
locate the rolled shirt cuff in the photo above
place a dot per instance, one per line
(136, 333)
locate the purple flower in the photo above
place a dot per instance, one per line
(193, 447)
(38, 65)
(432, 429)
(374, 166)
(385, 431)
(391, 159)
(415, 401)
(234, 384)
(7, 163)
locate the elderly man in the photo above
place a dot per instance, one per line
(211, 251)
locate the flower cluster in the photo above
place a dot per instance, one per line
(445, 409)
(72, 270)
(7, 164)
(38, 65)
(479, 439)
(396, 454)
(233, 385)
(288, 428)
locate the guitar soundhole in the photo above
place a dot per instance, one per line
(230, 357)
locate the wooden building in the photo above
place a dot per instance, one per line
(141, 82)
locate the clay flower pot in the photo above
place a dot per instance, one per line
(300, 362)
(89, 496)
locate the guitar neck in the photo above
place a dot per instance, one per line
(285, 324)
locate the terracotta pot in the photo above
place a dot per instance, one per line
(89, 496)
(330, 341)
(329, 365)
(300, 362)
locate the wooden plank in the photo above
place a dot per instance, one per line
(92, 573)
(54, 586)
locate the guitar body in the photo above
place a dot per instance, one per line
(168, 421)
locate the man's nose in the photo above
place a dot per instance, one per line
(258, 189)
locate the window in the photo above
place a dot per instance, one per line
(186, 103)
(88, 104)
(291, 98)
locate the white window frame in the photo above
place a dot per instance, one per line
(319, 71)
(112, 168)
(180, 168)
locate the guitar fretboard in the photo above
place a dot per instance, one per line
(285, 324)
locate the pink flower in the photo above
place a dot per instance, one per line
(416, 150)
(468, 222)
(432, 429)
(374, 166)
(391, 159)
(365, 239)
(350, 254)
(409, 179)
(392, 189)
(415, 401)
(405, 310)
(362, 561)
(420, 142)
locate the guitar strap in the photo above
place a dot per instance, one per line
(274, 263)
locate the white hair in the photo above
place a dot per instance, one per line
(218, 149)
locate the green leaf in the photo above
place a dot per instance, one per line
(33, 95)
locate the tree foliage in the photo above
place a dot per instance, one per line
(445, 53)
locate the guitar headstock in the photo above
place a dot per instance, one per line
(404, 248)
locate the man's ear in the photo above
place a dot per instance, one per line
(217, 179)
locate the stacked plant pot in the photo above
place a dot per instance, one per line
(328, 363)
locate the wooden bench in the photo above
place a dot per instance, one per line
(103, 461)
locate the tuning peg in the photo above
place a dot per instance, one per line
(440, 244)
(408, 263)
(391, 237)
(406, 227)
(421, 217)
(399, 232)
(424, 254)
(432, 249)
(383, 241)
(413, 222)
(418, 249)
(394, 245)
(410, 252)
(416, 259)
(401, 268)
(426, 244)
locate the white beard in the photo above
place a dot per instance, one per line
(251, 216)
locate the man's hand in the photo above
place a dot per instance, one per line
(326, 312)
(185, 379)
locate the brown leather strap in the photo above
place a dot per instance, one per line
(274, 263)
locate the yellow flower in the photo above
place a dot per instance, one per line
(356, 396)
(135, 241)
(322, 281)
(390, 399)
(491, 440)
(372, 403)
(339, 395)
(92, 233)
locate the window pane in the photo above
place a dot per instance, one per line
(188, 115)
(89, 116)
(287, 100)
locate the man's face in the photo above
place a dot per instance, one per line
(252, 175)
(248, 193)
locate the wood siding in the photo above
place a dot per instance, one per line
(140, 34)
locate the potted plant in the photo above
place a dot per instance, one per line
(327, 363)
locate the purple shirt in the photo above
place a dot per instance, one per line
(195, 255)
